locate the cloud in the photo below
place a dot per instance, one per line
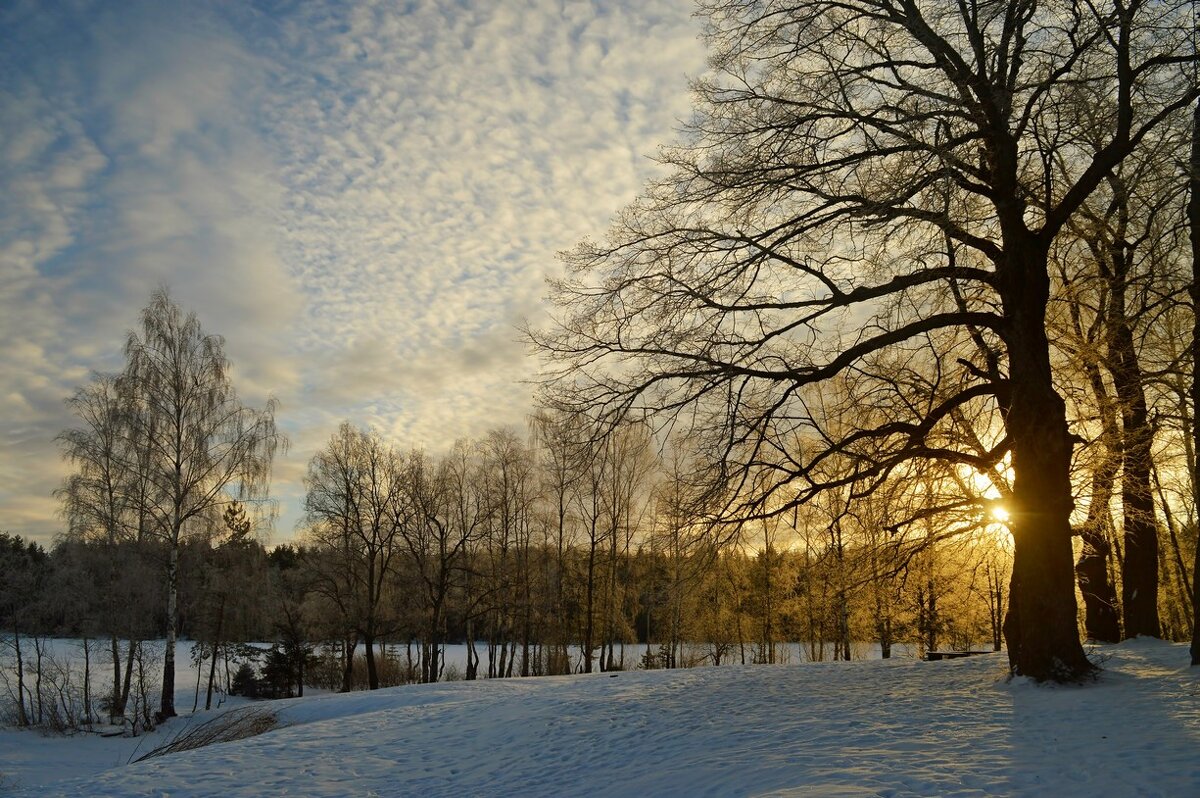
(363, 198)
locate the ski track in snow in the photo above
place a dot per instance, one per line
(886, 728)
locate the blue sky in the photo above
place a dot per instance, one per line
(363, 198)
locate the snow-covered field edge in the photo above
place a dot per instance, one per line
(898, 727)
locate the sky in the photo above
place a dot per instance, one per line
(364, 198)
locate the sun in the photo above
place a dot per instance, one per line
(999, 512)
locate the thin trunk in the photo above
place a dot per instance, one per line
(130, 657)
(767, 649)
(212, 668)
(167, 705)
(22, 715)
(199, 677)
(348, 647)
(87, 683)
(1176, 550)
(1101, 619)
(996, 606)
(1139, 577)
(589, 609)
(37, 676)
(116, 707)
(1193, 218)
(372, 673)
(472, 656)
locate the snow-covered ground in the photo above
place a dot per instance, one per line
(898, 727)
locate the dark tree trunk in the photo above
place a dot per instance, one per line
(928, 618)
(589, 610)
(1041, 628)
(1139, 574)
(432, 667)
(1193, 214)
(116, 706)
(996, 607)
(472, 657)
(348, 665)
(212, 668)
(87, 683)
(1101, 622)
(22, 715)
(130, 658)
(167, 704)
(372, 672)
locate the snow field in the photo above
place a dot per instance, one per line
(888, 728)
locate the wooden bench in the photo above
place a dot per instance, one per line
(935, 656)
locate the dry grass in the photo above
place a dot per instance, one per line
(236, 724)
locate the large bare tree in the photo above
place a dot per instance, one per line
(868, 184)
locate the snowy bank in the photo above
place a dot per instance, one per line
(896, 727)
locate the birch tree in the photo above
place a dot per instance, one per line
(198, 447)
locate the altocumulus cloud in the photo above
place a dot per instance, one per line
(363, 198)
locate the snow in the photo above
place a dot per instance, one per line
(896, 727)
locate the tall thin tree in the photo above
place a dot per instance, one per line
(203, 447)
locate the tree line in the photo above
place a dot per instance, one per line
(548, 550)
(544, 553)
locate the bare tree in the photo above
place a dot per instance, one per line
(100, 504)
(803, 231)
(436, 540)
(355, 511)
(558, 470)
(198, 446)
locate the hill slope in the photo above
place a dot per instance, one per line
(862, 728)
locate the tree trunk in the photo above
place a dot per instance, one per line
(372, 673)
(22, 715)
(167, 705)
(589, 610)
(1185, 582)
(87, 682)
(37, 676)
(995, 604)
(130, 658)
(432, 668)
(212, 668)
(1041, 628)
(472, 657)
(1102, 621)
(348, 648)
(116, 706)
(1193, 217)
(1139, 576)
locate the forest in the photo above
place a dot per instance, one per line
(547, 552)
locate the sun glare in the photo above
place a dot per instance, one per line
(999, 513)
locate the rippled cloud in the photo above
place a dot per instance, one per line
(363, 198)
